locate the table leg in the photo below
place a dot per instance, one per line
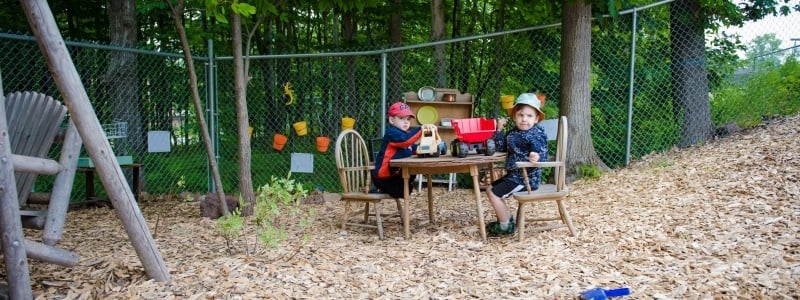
(474, 171)
(89, 184)
(430, 198)
(137, 189)
(406, 197)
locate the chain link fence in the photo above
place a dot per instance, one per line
(631, 105)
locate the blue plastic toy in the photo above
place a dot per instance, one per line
(603, 294)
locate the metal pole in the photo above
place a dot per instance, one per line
(630, 89)
(212, 114)
(383, 93)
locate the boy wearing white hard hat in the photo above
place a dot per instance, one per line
(525, 142)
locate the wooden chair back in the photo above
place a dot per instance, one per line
(557, 191)
(353, 162)
(34, 120)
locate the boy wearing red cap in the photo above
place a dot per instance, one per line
(398, 142)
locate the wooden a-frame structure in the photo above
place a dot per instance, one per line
(15, 248)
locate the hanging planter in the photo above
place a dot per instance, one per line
(348, 123)
(300, 128)
(322, 143)
(279, 141)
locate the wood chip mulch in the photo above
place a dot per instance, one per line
(715, 221)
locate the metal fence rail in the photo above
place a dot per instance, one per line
(630, 86)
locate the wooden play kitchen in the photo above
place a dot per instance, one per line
(439, 106)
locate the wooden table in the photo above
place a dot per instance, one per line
(445, 164)
(89, 172)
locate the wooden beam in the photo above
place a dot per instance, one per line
(14, 254)
(66, 77)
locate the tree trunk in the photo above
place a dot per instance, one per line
(395, 84)
(242, 118)
(576, 48)
(438, 34)
(122, 79)
(176, 11)
(689, 80)
(348, 34)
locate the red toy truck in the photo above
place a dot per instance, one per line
(473, 134)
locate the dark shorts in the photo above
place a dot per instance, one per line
(504, 187)
(392, 185)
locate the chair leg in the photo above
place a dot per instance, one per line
(521, 221)
(366, 212)
(378, 219)
(399, 208)
(346, 214)
(451, 182)
(565, 216)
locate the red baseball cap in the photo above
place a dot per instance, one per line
(400, 109)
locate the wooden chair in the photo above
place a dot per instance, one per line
(29, 124)
(354, 167)
(557, 191)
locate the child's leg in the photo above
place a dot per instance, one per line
(392, 185)
(500, 189)
(500, 207)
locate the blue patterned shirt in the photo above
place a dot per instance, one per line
(519, 144)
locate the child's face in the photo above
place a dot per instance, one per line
(401, 122)
(526, 117)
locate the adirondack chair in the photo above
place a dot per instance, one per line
(29, 123)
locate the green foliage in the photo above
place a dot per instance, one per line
(777, 91)
(278, 208)
(591, 171)
(277, 211)
(661, 163)
(231, 226)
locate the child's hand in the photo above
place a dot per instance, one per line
(533, 157)
(501, 123)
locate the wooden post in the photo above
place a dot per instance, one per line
(62, 69)
(62, 186)
(16, 259)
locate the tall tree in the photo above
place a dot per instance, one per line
(395, 80)
(121, 77)
(176, 11)
(242, 118)
(437, 34)
(689, 76)
(575, 69)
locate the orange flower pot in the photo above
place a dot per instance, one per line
(279, 141)
(322, 143)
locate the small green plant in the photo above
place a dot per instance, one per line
(589, 171)
(230, 226)
(661, 163)
(277, 210)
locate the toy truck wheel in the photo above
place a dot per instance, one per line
(490, 146)
(442, 148)
(463, 150)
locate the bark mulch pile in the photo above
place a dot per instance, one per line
(719, 220)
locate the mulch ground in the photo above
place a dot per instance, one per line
(715, 221)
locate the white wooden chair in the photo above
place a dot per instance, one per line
(556, 192)
(354, 167)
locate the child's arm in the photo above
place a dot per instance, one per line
(402, 139)
(539, 147)
(498, 136)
